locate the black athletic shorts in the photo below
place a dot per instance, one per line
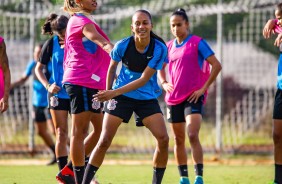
(56, 103)
(123, 107)
(177, 113)
(40, 114)
(81, 99)
(277, 109)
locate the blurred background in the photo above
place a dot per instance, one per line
(237, 115)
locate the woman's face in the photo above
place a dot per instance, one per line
(278, 16)
(141, 25)
(61, 34)
(178, 26)
(87, 5)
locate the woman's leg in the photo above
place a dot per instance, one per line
(80, 125)
(193, 128)
(60, 120)
(93, 137)
(110, 127)
(156, 124)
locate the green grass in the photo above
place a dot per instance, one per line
(142, 174)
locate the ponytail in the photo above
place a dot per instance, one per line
(153, 35)
(46, 28)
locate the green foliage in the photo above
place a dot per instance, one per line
(57, 1)
(121, 31)
(208, 27)
(268, 46)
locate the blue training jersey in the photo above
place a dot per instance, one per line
(39, 96)
(57, 68)
(279, 73)
(151, 89)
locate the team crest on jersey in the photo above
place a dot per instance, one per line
(112, 104)
(96, 104)
(54, 102)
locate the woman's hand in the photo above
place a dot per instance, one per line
(278, 40)
(268, 28)
(168, 87)
(3, 105)
(194, 97)
(105, 95)
(53, 88)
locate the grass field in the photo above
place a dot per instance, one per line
(119, 172)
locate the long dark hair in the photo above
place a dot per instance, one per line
(54, 23)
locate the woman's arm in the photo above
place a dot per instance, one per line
(52, 88)
(109, 94)
(111, 75)
(168, 87)
(7, 77)
(268, 28)
(216, 68)
(92, 34)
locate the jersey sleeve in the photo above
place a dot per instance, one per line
(160, 56)
(119, 49)
(46, 53)
(204, 49)
(29, 68)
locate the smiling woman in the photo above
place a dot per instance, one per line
(135, 90)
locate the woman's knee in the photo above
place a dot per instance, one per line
(163, 140)
(104, 143)
(193, 137)
(62, 135)
(179, 140)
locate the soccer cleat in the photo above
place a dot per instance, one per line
(199, 180)
(184, 180)
(65, 176)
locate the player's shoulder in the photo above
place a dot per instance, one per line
(160, 45)
(124, 40)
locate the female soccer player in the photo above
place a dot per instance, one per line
(186, 88)
(135, 90)
(84, 74)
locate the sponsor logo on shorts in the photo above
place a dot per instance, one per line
(54, 102)
(96, 104)
(112, 104)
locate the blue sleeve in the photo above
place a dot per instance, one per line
(160, 56)
(204, 50)
(30, 66)
(119, 49)
(90, 46)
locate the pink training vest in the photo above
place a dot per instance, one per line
(185, 73)
(277, 29)
(80, 66)
(1, 75)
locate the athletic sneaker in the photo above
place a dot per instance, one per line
(65, 176)
(199, 180)
(184, 180)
